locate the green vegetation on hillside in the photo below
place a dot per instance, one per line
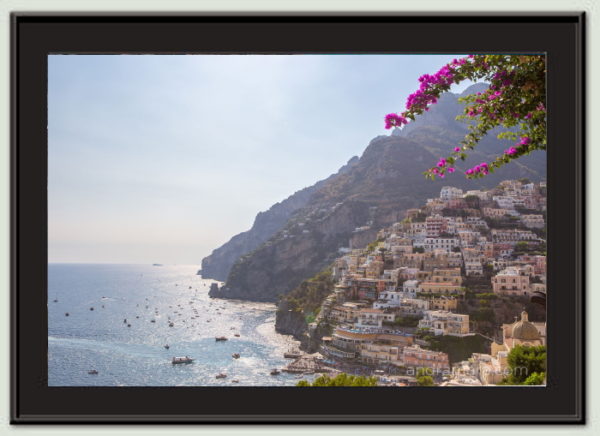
(424, 378)
(342, 379)
(405, 321)
(373, 245)
(459, 348)
(527, 365)
(309, 295)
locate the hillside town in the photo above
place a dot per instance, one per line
(444, 290)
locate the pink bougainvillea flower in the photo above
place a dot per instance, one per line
(394, 120)
(525, 140)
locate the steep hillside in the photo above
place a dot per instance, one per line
(370, 194)
(218, 264)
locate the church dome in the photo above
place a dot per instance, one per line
(524, 330)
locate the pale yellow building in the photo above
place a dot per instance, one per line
(440, 288)
(446, 275)
(443, 303)
(522, 332)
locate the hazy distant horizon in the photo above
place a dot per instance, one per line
(163, 158)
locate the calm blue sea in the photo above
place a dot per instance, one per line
(100, 339)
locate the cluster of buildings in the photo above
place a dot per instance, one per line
(409, 282)
(489, 369)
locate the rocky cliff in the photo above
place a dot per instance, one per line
(372, 193)
(218, 264)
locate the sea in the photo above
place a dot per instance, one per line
(118, 325)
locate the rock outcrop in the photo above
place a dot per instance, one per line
(290, 321)
(372, 193)
(218, 264)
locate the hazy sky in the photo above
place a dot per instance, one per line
(162, 158)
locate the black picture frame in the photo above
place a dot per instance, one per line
(561, 36)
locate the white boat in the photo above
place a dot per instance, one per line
(178, 360)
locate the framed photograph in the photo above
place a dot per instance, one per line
(316, 218)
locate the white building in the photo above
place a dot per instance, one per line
(410, 288)
(450, 192)
(373, 318)
(389, 299)
(504, 202)
(442, 322)
(446, 244)
(473, 267)
(482, 195)
(533, 221)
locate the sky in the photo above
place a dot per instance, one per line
(163, 158)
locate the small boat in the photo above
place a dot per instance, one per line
(93, 372)
(180, 360)
(235, 381)
(67, 314)
(167, 346)
(220, 338)
(236, 355)
(292, 354)
(221, 375)
(275, 371)
(152, 320)
(171, 324)
(125, 321)
(56, 301)
(91, 308)
(128, 325)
